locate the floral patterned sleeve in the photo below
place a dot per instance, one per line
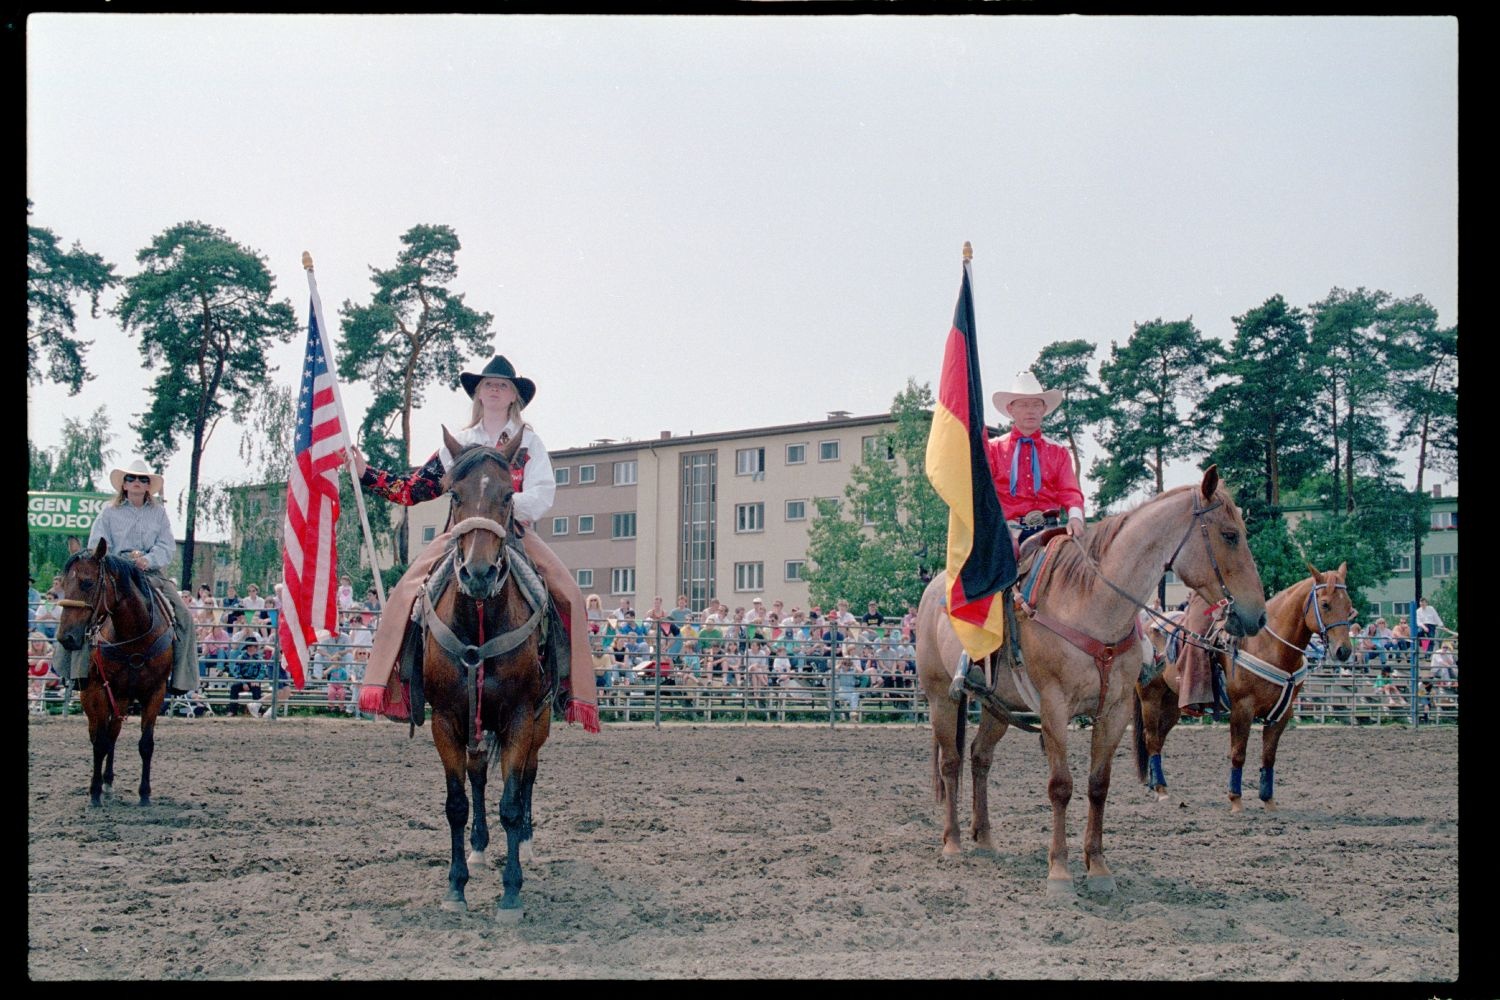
(417, 486)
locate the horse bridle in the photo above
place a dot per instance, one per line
(1166, 623)
(100, 613)
(1312, 603)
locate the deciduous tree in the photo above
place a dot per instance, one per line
(203, 309)
(414, 333)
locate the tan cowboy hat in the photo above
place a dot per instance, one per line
(1027, 387)
(136, 468)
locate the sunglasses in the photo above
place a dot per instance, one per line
(137, 479)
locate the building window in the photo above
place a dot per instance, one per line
(622, 580)
(221, 588)
(750, 576)
(563, 475)
(623, 526)
(1444, 565)
(559, 526)
(429, 532)
(585, 524)
(749, 461)
(828, 451)
(1444, 520)
(796, 454)
(1401, 609)
(1402, 563)
(836, 502)
(1374, 610)
(877, 446)
(749, 517)
(794, 570)
(585, 579)
(796, 510)
(625, 473)
(698, 529)
(585, 474)
(1170, 578)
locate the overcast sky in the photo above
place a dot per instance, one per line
(701, 224)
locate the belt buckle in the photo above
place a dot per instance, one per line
(1033, 519)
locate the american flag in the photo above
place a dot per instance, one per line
(309, 562)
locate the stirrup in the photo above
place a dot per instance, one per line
(968, 674)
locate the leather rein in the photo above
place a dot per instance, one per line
(99, 613)
(1103, 653)
(466, 656)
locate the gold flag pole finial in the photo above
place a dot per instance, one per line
(968, 251)
(307, 260)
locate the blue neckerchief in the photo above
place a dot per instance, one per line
(1036, 466)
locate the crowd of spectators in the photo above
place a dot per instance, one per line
(757, 647)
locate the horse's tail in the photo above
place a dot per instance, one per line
(492, 746)
(1139, 727)
(939, 791)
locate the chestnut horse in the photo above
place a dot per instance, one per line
(108, 597)
(1088, 589)
(482, 668)
(1263, 677)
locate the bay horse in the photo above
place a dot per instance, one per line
(1262, 674)
(482, 666)
(108, 597)
(1082, 591)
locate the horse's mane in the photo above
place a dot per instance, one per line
(469, 457)
(122, 569)
(1069, 566)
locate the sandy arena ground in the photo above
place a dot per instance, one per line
(317, 849)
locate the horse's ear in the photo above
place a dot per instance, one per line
(1314, 569)
(453, 446)
(510, 448)
(1344, 570)
(101, 548)
(1210, 483)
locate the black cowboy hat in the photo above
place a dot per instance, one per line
(499, 367)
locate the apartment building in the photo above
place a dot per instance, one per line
(708, 515)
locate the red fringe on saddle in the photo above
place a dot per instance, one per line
(580, 711)
(391, 701)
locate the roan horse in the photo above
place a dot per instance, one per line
(107, 596)
(482, 667)
(1087, 589)
(1263, 677)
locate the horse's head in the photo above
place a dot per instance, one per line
(480, 487)
(1328, 611)
(1220, 565)
(83, 601)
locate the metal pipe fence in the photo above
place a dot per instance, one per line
(742, 678)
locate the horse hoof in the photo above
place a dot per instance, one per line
(1161, 794)
(1270, 805)
(1060, 887)
(1236, 806)
(476, 859)
(508, 914)
(951, 850)
(526, 852)
(455, 906)
(1104, 885)
(145, 801)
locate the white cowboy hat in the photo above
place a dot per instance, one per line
(1027, 387)
(136, 468)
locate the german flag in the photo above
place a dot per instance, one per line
(981, 559)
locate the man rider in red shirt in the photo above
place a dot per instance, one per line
(1033, 475)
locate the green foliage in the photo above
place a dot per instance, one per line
(413, 334)
(1445, 599)
(886, 560)
(54, 278)
(1146, 384)
(203, 310)
(78, 465)
(1064, 365)
(1369, 538)
(1354, 371)
(1261, 417)
(1277, 558)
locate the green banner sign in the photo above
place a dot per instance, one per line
(63, 513)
